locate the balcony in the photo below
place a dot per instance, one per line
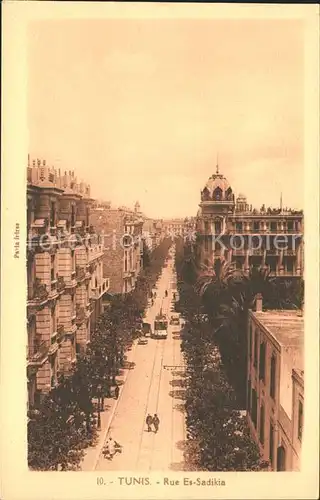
(101, 289)
(60, 284)
(239, 251)
(273, 251)
(289, 252)
(80, 273)
(39, 293)
(37, 352)
(95, 251)
(257, 251)
(60, 334)
(81, 314)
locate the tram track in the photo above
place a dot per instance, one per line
(147, 404)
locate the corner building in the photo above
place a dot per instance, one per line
(64, 275)
(248, 235)
(275, 385)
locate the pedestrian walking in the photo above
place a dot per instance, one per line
(156, 423)
(166, 293)
(149, 421)
(116, 392)
(110, 449)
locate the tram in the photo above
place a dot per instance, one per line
(160, 326)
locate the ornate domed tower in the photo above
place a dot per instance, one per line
(217, 201)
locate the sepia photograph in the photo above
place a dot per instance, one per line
(163, 245)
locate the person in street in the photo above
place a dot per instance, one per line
(155, 294)
(110, 449)
(166, 293)
(156, 423)
(149, 422)
(116, 392)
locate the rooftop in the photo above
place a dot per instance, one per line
(287, 328)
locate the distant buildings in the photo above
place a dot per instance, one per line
(275, 378)
(64, 273)
(268, 238)
(121, 230)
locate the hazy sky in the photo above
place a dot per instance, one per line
(140, 109)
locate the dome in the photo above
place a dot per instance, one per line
(217, 188)
(217, 181)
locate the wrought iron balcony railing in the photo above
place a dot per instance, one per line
(60, 283)
(37, 351)
(39, 291)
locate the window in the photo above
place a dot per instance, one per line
(125, 262)
(273, 227)
(87, 217)
(250, 341)
(206, 226)
(271, 443)
(256, 226)
(249, 396)
(53, 258)
(262, 361)
(73, 261)
(300, 420)
(239, 227)
(73, 216)
(206, 244)
(262, 423)
(290, 225)
(217, 227)
(53, 214)
(217, 194)
(273, 377)
(273, 264)
(256, 349)
(254, 402)
(290, 265)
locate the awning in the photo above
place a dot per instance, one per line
(62, 224)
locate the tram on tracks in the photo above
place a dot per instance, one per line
(160, 330)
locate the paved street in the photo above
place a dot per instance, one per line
(151, 387)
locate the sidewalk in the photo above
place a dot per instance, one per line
(93, 452)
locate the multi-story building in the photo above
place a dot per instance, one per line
(275, 388)
(227, 227)
(121, 230)
(64, 275)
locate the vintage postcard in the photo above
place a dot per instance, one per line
(160, 193)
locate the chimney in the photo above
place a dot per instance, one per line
(258, 302)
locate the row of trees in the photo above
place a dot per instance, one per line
(65, 423)
(227, 295)
(218, 438)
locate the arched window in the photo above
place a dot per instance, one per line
(229, 194)
(205, 194)
(217, 194)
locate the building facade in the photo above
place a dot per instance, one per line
(64, 275)
(229, 228)
(121, 230)
(275, 385)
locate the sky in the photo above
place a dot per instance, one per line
(140, 109)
